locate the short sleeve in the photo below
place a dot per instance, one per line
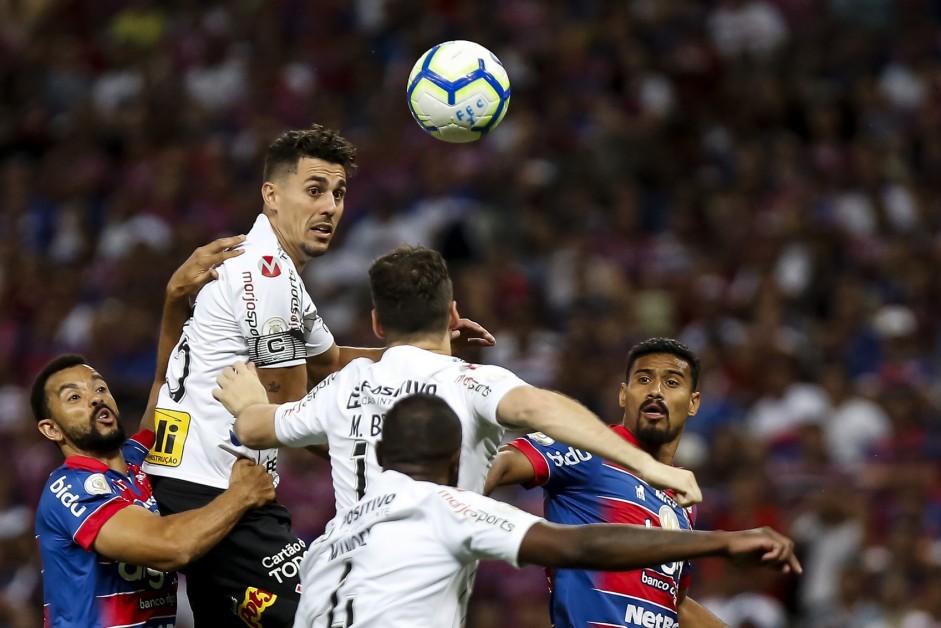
(480, 528)
(484, 386)
(79, 504)
(557, 465)
(268, 302)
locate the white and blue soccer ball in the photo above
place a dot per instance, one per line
(458, 91)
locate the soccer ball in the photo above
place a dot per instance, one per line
(458, 91)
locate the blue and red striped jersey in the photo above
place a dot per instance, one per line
(581, 488)
(81, 588)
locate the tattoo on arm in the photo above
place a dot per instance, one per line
(273, 387)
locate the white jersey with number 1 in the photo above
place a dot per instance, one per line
(257, 310)
(404, 556)
(346, 411)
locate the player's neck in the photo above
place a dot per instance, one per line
(112, 460)
(434, 344)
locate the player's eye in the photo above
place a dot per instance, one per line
(339, 194)
(643, 379)
(313, 191)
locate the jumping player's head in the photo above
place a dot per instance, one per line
(421, 437)
(412, 295)
(74, 408)
(659, 392)
(305, 187)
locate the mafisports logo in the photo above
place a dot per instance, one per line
(249, 298)
(254, 605)
(269, 266)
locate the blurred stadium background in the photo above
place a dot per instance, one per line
(758, 178)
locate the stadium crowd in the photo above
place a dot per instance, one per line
(757, 178)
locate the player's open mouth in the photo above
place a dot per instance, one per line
(323, 230)
(104, 415)
(653, 410)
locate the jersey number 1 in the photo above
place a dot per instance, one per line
(359, 461)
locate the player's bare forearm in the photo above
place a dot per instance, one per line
(254, 427)
(509, 467)
(137, 536)
(691, 613)
(621, 547)
(565, 420)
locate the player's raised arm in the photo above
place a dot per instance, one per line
(621, 547)
(198, 269)
(564, 419)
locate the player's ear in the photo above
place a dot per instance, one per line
(693, 404)
(50, 430)
(377, 325)
(622, 395)
(453, 317)
(269, 195)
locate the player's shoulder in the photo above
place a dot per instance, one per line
(68, 486)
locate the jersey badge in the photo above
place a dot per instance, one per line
(541, 438)
(274, 326)
(269, 266)
(639, 491)
(96, 484)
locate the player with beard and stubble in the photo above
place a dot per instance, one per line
(659, 394)
(108, 557)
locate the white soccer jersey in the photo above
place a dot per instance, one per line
(257, 310)
(405, 555)
(346, 410)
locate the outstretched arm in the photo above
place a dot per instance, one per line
(509, 467)
(137, 536)
(198, 270)
(621, 547)
(564, 419)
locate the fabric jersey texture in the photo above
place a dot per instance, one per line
(252, 576)
(257, 310)
(81, 588)
(347, 410)
(581, 488)
(404, 555)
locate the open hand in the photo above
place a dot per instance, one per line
(765, 547)
(467, 333)
(200, 267)
(239, 387)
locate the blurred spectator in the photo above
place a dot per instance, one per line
(755, 177)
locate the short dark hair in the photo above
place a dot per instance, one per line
(669, 346)
(316, 142)
(38, 401)
(411, 291)
(420, 428)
